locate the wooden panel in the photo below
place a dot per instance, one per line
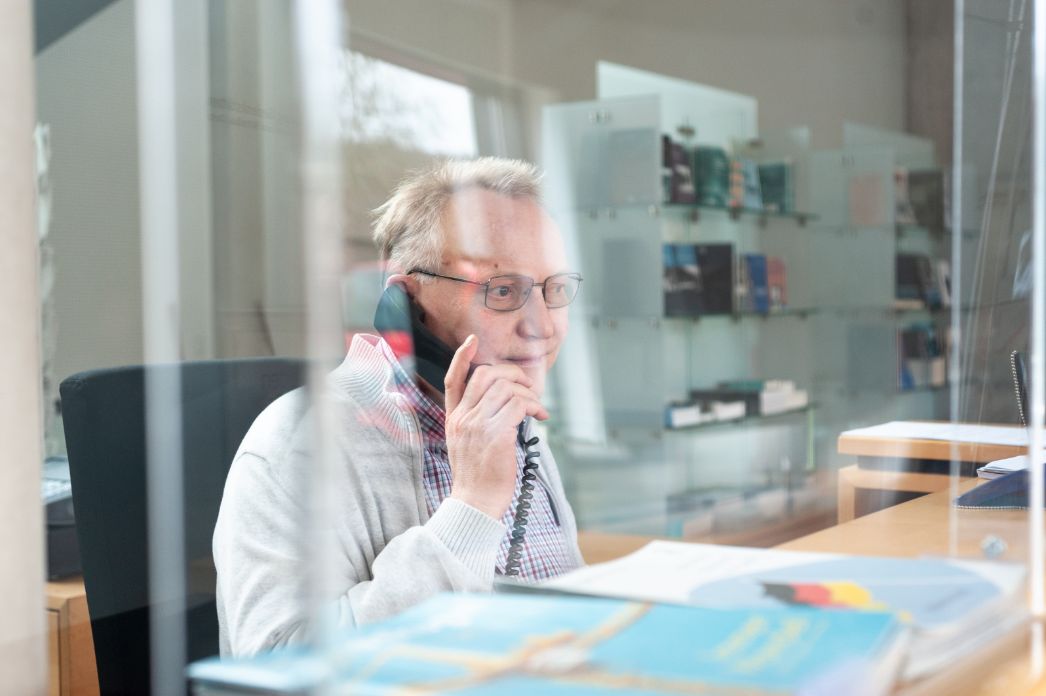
(853, 477)
(67, 601)
(83, 672)
(54, 656)
(597, 547)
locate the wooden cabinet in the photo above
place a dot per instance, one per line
(71, 666)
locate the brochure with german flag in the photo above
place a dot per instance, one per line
(953, 606)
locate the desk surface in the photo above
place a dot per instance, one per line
(912, 448)
(914, 528)
(920, 527)
(924, 526)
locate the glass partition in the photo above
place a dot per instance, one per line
(324, 280)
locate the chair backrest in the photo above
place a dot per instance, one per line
(104, 414)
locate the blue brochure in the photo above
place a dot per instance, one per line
(530, 644)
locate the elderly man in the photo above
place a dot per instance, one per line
(427, 482)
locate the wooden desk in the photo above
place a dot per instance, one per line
(71, 666)
(854, 479)
(920, 527)
(914, 528)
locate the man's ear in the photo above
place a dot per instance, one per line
(407, 281)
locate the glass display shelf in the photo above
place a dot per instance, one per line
(901, 308)
(797, 312)
(747, 420)
(800, 312)
(921, 389)
(737, 212)
(693, 210)
(916, 228)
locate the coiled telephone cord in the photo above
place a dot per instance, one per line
(526, 494)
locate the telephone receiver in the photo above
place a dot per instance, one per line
(400, 321)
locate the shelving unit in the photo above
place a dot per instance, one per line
(625, 361)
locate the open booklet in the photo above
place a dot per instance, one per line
(1001, 467)
(953, 606)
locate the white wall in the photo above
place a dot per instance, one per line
(85, 91)
(815, 62)
(22, 638)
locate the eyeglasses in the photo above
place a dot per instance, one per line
(506, 293)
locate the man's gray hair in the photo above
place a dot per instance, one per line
(407, 230)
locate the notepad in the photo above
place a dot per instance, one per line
(1001, 467)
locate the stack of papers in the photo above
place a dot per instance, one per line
(954, 607)
(781, 396)
(953, 432)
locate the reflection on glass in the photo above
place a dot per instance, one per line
(392, 104)
(747, 333)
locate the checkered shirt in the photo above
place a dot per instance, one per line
(545, 551)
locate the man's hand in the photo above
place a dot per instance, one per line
(482, 417)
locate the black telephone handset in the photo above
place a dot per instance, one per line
(400, 321)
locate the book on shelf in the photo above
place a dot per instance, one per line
(907, 286)
(918, 282)
(681, 279)
(777, 282)
(691, 413)
(760, 397)
(777, 186)
(944, 281)
(745, 191)
(775, 395)
(526, 643)
(931, 290)
(712, 174)
(953, 607)
(761, 285)
(687, 415)
(697, 279)
(783, 401)
(926, 197)
(921, 357)
(680, 174)
(755, 295)
(903, 213)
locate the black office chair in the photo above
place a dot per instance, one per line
(104, 413)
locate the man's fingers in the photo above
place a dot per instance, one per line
(513, 412)
(499, 394)
(484, 378)
(454, 382)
